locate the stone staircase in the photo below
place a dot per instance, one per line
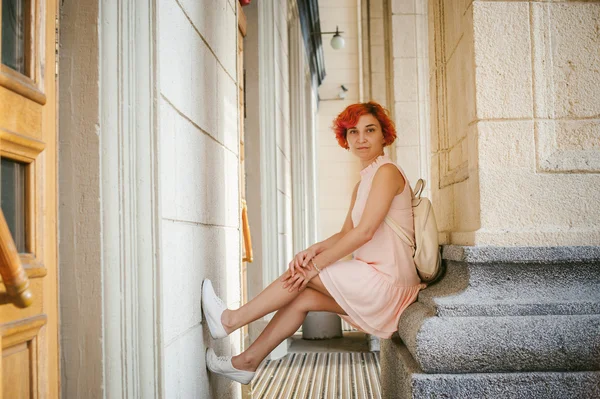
(503, 323)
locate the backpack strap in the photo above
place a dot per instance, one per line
(419, 187)
(400, 232)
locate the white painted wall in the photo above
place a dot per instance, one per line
(199, 144)
(338, 170)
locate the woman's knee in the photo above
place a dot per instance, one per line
(306, 301)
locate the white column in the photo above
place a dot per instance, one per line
(110, 301)
(129, 198)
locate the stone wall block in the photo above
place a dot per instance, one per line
(195, 67)
(407, 123)
(218, 26)
(184, 362)
(567, 72)
(403, 6)
(404, 31)
(514, 197)
(536, 207)
(405, 79)
(227, 111)
(502, 46)
(408, 159)
(566, 62)
(181, 310)
(193, 202)
(568, 146)
(533, 210)
(194, 252)
(506, 145)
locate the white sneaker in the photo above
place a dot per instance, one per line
(222, 365)
(213, 308)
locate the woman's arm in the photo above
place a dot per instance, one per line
(302, 259)
(348, 225)
(387, 183)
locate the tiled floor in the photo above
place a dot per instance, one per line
(322, 374)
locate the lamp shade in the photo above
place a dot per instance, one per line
(337, 41)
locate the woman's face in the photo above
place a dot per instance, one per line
(366, 138)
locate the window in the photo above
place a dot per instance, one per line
(12, 199)
(16, 33)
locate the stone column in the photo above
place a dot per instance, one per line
(515, 163)
(516, 122)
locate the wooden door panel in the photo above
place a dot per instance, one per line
(29, 336)
(16, 363)
(20, 351)
(20, 115)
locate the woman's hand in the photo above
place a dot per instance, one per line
(300, 261)
(299, 281)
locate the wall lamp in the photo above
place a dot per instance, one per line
(337, 41)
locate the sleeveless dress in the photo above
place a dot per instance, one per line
(381, 280)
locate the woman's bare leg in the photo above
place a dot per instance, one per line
(269, 300)
(283, 325)
(272, 298)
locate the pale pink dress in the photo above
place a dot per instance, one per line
(381, 280)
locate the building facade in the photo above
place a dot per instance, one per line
(163, 142)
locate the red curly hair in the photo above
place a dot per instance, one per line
(349, 118)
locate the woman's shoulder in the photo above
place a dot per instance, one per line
(390, 173)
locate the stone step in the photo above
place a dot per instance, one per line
(503, 289)
(500, 343)
(503, 322)
(410, 381)
(493, 313)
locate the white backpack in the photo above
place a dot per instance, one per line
(425, 246)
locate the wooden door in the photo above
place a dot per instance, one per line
(29, 335)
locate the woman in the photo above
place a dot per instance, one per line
(370, 291)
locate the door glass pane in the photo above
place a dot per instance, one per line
(12, 199)
(13, 34)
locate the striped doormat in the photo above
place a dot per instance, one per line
(320, 375)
